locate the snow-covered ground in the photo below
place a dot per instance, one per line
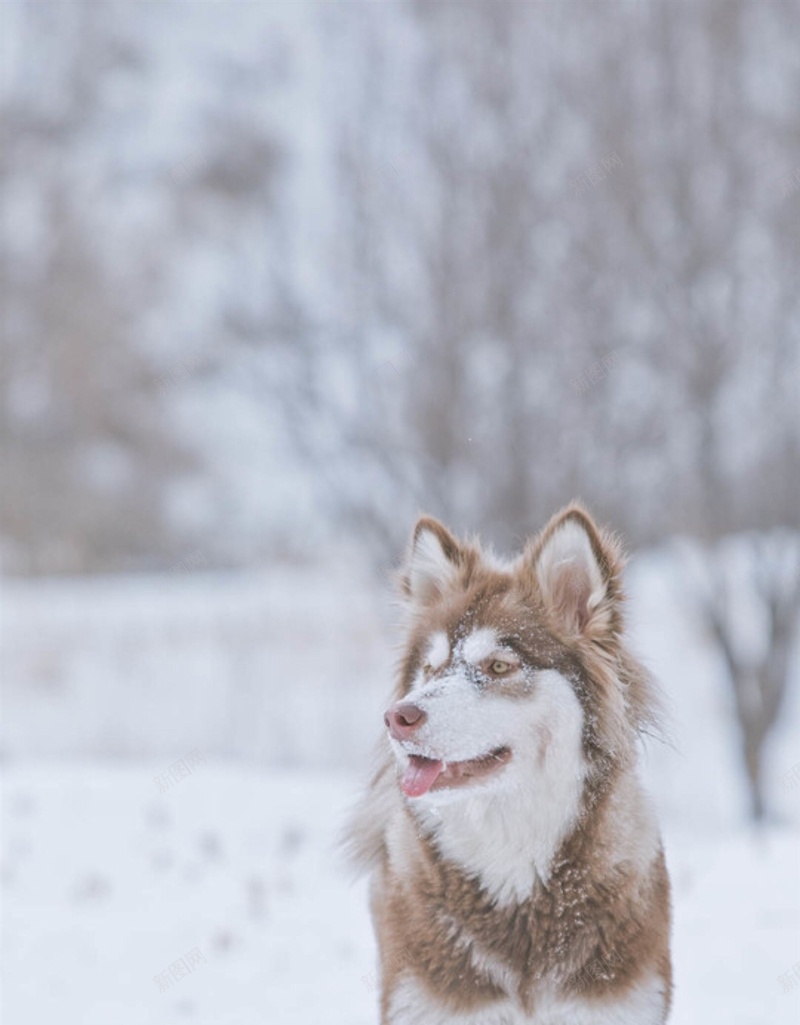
(118, 875)
(108, 883)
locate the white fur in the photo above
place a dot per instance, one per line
(632, 823)
(411, 1005)
(505, 828)
(569, 550)
(643, 1005)
(479, 645)
(462, 722)
(438, 651)
(401, 844)
(429, 569)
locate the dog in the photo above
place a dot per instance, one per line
(517, 873)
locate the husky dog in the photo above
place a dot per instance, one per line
(517, 872)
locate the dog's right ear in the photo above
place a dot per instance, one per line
(578, 568)
(433, 562)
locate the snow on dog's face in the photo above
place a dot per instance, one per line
(511, 670)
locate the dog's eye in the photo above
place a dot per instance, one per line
(499, 666)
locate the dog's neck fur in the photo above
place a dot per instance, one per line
(508, 840)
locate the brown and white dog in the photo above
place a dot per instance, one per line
(517, 872)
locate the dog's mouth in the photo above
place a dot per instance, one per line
(424, 774)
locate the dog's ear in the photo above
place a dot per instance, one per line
(577, 568)
(433, 562)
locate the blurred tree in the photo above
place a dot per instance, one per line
(126, 273)
(557, 258)
(88, 453)
(746, 590)
(538, 300)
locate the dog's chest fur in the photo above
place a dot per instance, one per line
(455, 947)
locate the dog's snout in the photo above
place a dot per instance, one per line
(403, 719)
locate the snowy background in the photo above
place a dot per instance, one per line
(279, 276)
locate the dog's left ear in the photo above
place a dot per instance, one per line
(577, 567)
(434, 561)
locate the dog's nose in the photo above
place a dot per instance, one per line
(403, 719)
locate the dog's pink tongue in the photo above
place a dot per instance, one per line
(420, 775)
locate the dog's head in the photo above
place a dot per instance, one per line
(511, 668)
